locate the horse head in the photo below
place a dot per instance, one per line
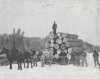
(4, 50)
(33, 52)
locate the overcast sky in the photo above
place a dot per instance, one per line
(36, 17)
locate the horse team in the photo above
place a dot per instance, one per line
(45, 57)
(14, 55)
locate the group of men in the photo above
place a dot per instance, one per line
(73, 57)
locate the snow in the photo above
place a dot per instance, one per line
(50, 72)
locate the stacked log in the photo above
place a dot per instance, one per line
(64, 41)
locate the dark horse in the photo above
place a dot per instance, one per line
(31, 57)
(28, 57)
(78, 58)
(12, 56)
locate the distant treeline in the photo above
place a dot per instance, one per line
(20, 41)
(25, 43)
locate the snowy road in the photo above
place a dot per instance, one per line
(53, 72)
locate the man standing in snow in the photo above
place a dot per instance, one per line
(42, 60)
(96, 58)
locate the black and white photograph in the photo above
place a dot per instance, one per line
(49, 39)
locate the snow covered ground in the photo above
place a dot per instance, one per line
(52, 72)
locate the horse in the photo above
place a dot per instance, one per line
(75, 58)
(26, 58)
(12, 56)
(29, 57)
(46, 58)
(37, 56)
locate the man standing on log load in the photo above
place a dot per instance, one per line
(54, 28)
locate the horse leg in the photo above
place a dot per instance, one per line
(10, 65)
(50, 62)
(82, 61)
(20, 66)
(27, 63)
(36, 63)
(85, 61)
(31, 64)
(24, 63)
(42, 64)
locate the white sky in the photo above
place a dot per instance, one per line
(36, 17)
